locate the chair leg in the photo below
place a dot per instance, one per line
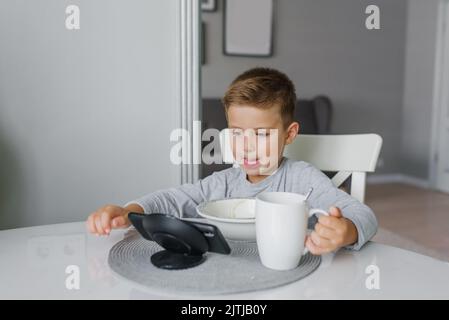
(358, 183)
(340, 177)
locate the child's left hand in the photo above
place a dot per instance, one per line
(331, 233)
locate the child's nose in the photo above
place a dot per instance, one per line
(250, 143)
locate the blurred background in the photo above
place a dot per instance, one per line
(86, 115)
(350, 79)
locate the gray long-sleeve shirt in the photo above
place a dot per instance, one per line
(291, 176)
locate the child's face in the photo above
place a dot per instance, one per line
(258, 137)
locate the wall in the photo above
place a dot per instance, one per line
(418, 87)
(82, 112)
(324, 47)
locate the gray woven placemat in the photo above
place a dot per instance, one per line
(241, 271)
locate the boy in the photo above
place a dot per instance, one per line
(260, 101)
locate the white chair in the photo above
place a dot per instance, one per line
(351, 155)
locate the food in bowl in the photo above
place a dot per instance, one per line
(234, 217)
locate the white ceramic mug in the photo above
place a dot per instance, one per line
(281, 228)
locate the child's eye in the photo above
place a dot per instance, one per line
(236, 132)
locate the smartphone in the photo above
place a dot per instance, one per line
(216, 242)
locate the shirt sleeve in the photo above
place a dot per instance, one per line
(182, 201)
(325, 195)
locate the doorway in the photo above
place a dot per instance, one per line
(440, 143)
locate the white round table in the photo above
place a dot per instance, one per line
(34, 261)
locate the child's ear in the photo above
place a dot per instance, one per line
(292, 132)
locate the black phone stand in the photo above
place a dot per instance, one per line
(184, 244)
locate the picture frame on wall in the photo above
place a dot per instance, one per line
(208, 5)
(248, 28)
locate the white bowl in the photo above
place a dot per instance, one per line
(234, 217)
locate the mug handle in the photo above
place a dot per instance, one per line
(311, 213)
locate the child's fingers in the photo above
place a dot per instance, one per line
(320, 241)
(335, 212)
(325, 232)
(330, 222)
(119, 222)
(314, 249)
(98, 225)
(91, 224)
(106, 222)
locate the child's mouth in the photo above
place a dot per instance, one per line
(253, 163)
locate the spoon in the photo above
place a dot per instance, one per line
(308, 194)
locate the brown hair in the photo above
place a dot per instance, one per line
(263, 88)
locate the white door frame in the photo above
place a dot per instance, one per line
(189, 83)
(440, 91)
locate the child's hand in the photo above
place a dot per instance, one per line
(109, 217)
(331, 232)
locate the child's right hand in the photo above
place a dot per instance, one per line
(109, 217)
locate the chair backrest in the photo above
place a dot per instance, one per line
(351, 155)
